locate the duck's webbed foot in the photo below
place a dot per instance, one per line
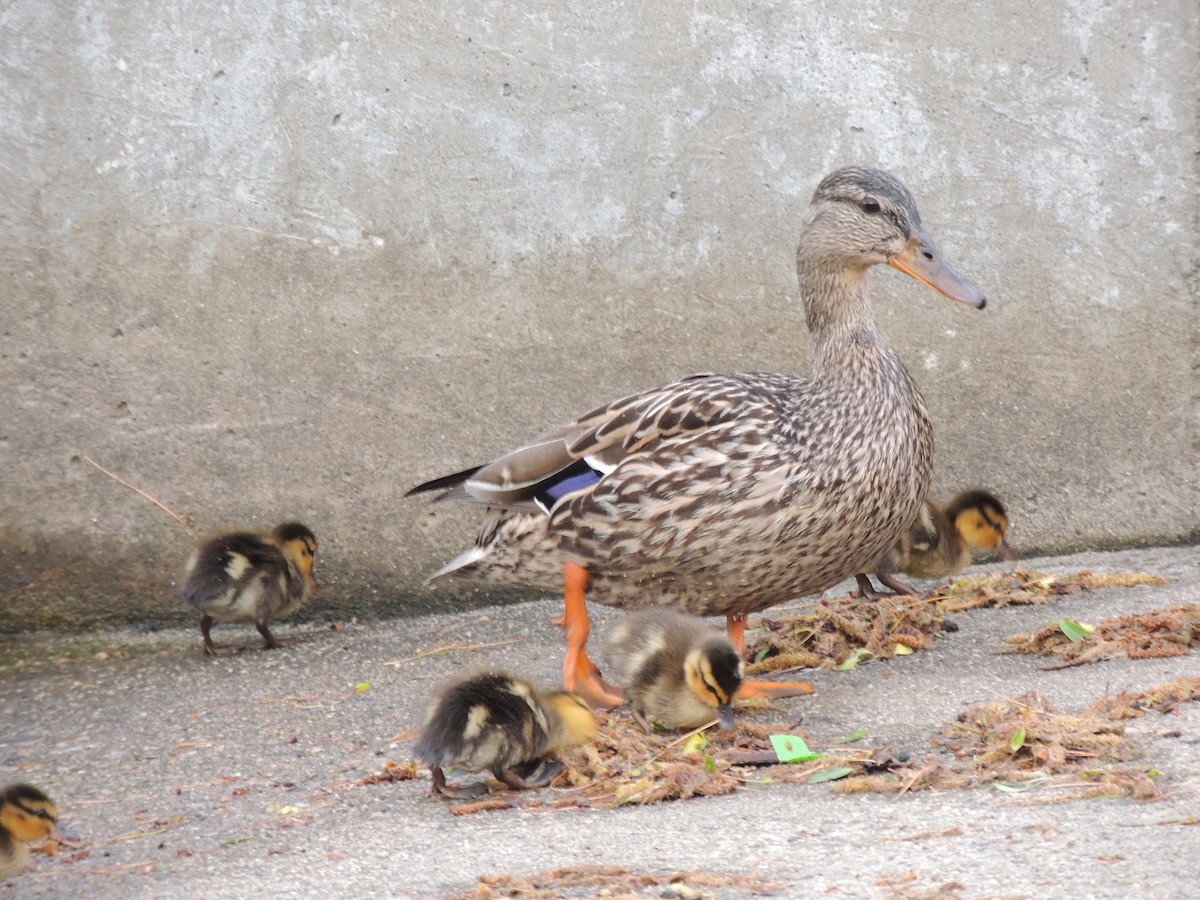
(580, 674)
(536, 773)
(269, 640)
(773, 690)
(206, 624)
(735, 627)
(867, 591)
(456, 791)
(901, 589)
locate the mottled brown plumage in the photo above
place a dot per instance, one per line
(940, 540)
(26, 814)
(727, 494)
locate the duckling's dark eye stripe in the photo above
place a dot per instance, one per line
(36, 813)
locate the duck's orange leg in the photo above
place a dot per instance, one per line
(580, 673)
(735, 626)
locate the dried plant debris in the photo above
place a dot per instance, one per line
(1013, 745)
(615, 881)
(405, 771)
(1152, 635)
(842, 632)
(1021, 742)
(1165, 698)
(626, 766)
(1022, 588)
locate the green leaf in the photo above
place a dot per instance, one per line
(789, 748)
(362, 687)
(709, 764)
(853, 736)
(852, 660)
(1075, 631)
(830, 774)
(1017, 741)
(695, 743)
(761, 654)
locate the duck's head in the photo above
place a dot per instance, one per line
(299, 545)
(578, 723)
(863, 217)
(713, 673)
(980, 520)
(27, 813)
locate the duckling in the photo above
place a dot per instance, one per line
(940, 541)
(503, 723)
(675, 668)
(26, 814)
(247, 577)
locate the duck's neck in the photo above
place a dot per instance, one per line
(839, 315)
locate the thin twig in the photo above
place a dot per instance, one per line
(117, 478)
(443, 649)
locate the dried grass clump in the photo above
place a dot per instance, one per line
(836, 629)
(613, 881)
(1023, 588)
(1152, 635)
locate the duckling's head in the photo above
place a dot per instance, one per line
(578, 725)
(713, 673)
(980, 520)
(27, 813)
(862, 217)
(299, 545)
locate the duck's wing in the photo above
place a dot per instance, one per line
(534, 477)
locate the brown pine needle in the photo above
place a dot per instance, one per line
(117, 478)
(448, 647)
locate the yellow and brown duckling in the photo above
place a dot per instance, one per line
(26, 814)
(723, 495)
(940, 541)
(503, 723)
(674, 668)
(251, 577)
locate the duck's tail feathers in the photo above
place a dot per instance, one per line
(451, 484)
(463, 561)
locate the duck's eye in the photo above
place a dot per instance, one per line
(870, 205)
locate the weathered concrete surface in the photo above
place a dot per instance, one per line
(286, 261)
(235, 777)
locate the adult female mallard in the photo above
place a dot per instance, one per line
(727, 494)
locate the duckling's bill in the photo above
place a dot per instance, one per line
(922, 260)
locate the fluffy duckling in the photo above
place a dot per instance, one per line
(502, 723)
(26, 814)
(940, 541)
(247, 577)
(674, 668)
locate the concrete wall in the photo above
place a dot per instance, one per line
(268, 260)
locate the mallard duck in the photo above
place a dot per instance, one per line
(727, 494)
(249, 577)
(26, 814)
(940, 541)
(674, 668)
(499, 722)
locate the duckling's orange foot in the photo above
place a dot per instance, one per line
(773, 690)
(456, 791)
